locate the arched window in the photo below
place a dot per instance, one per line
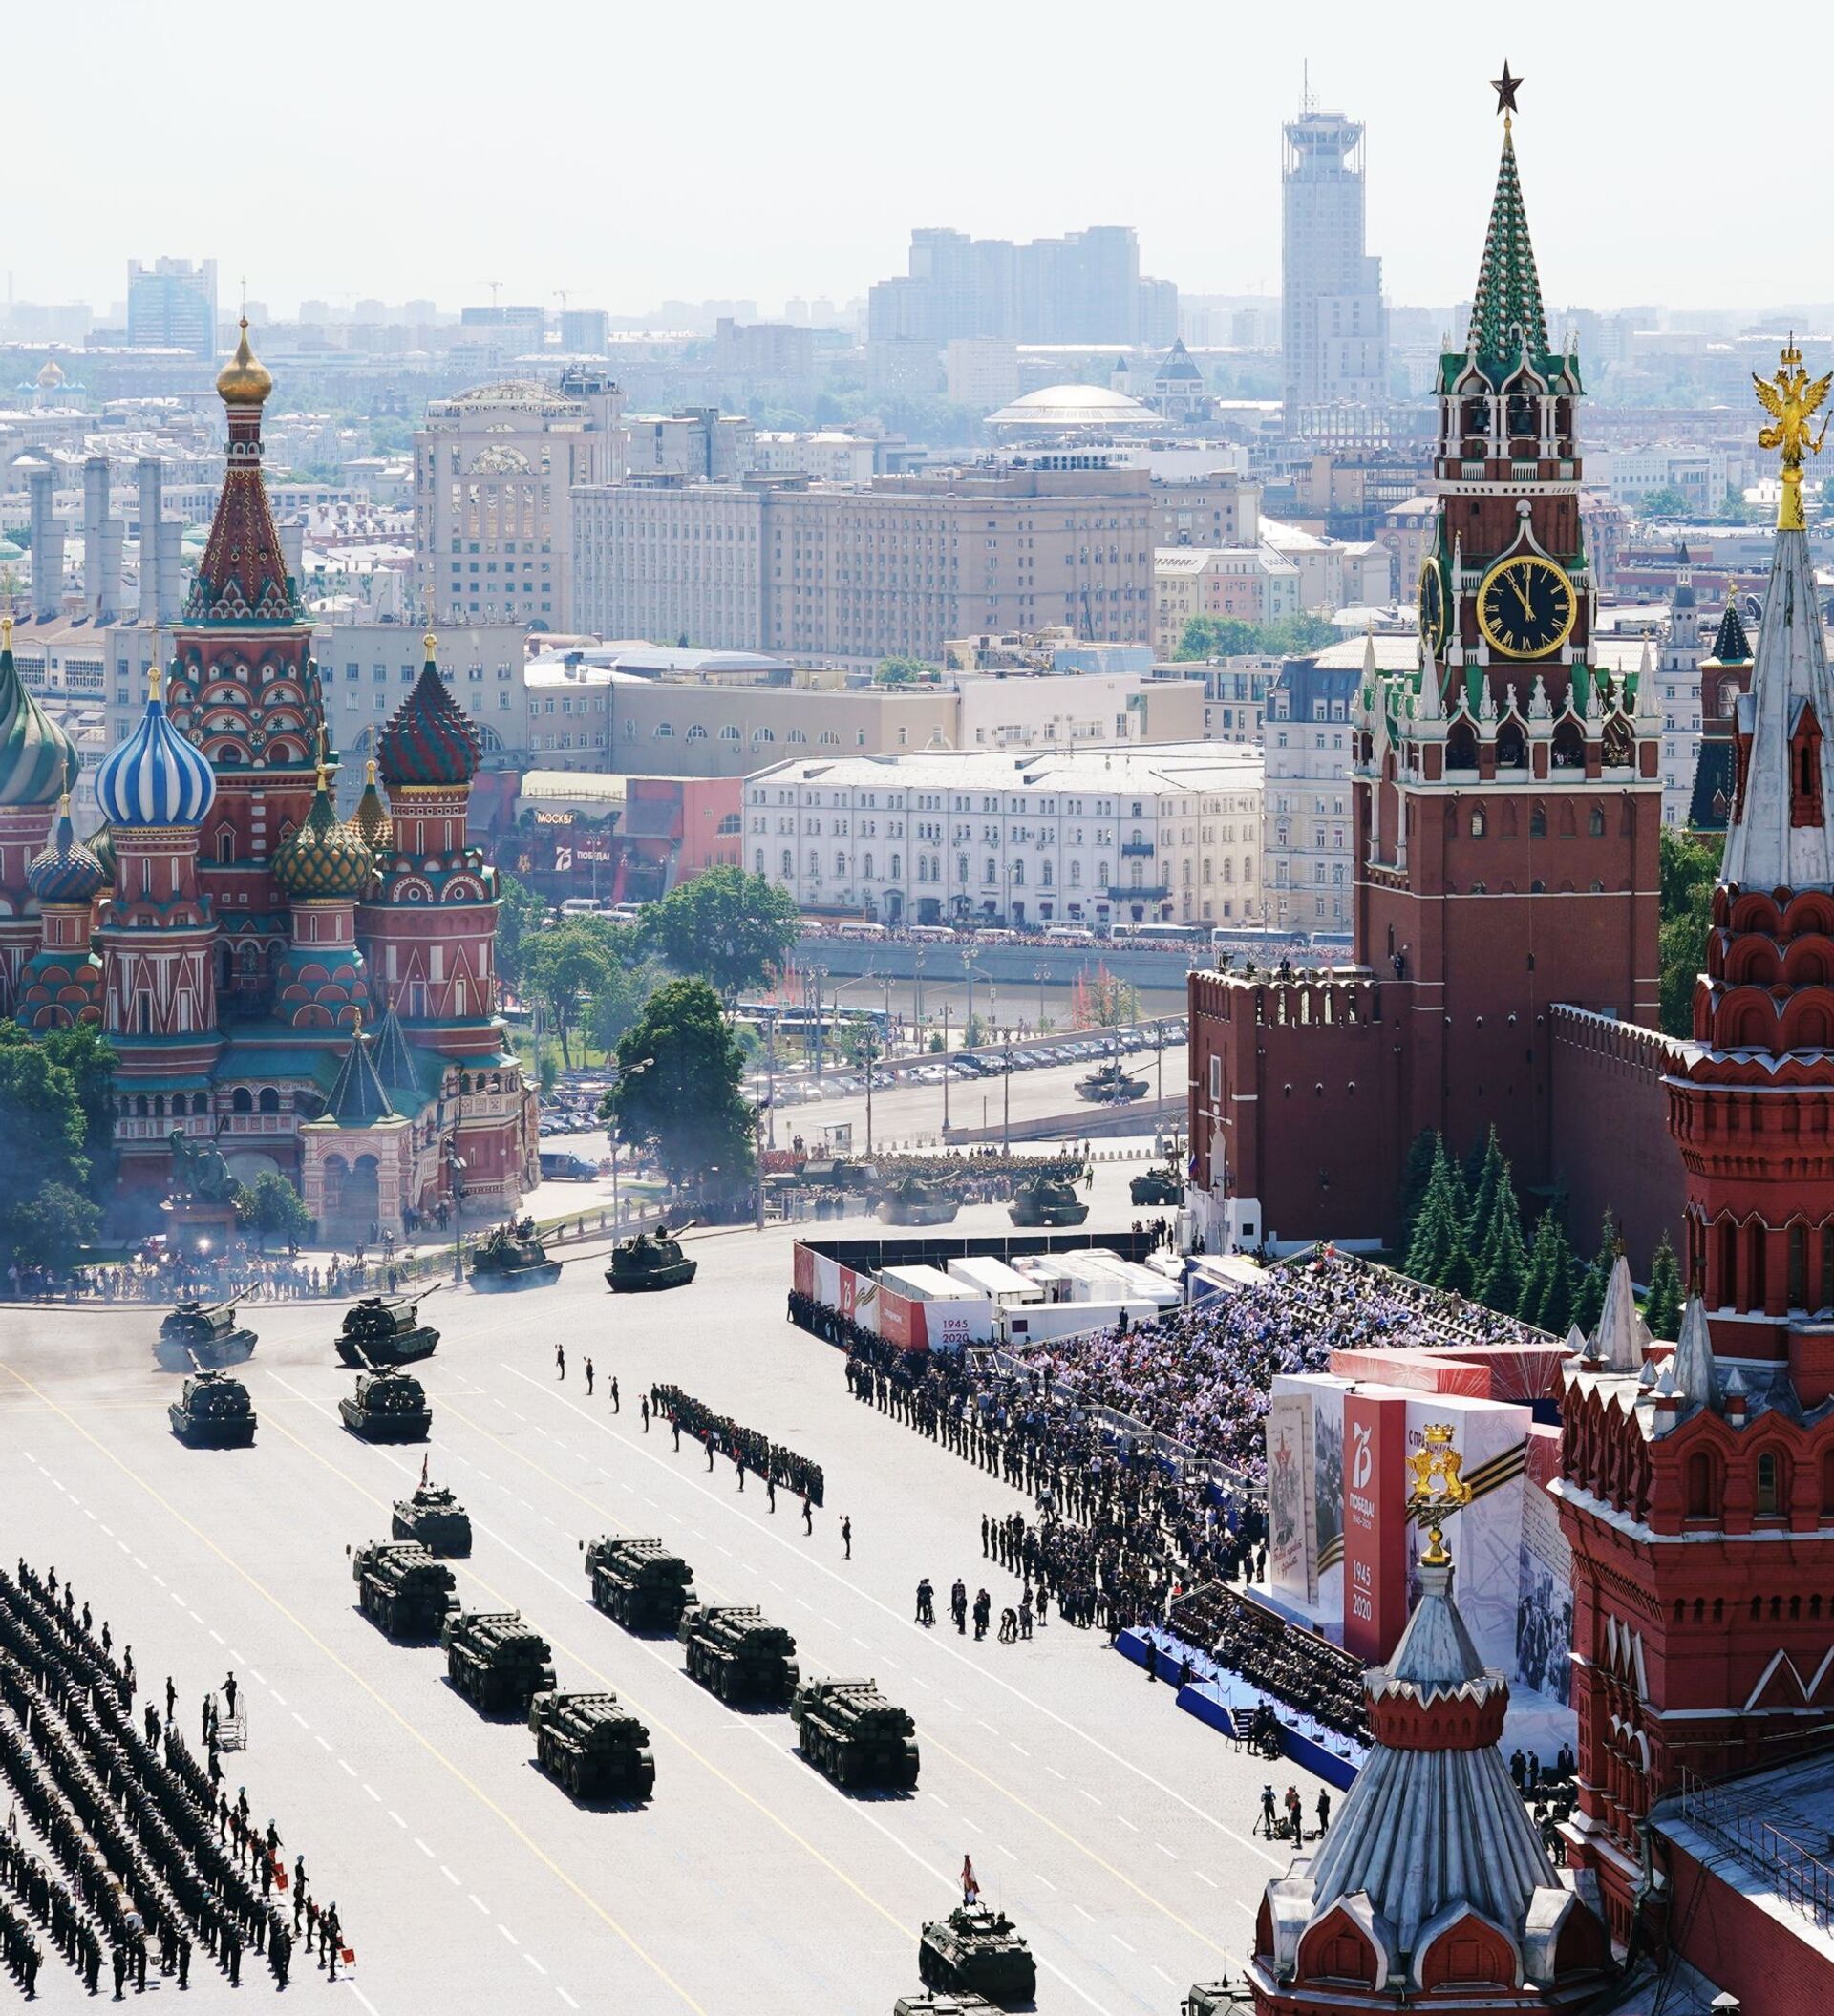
(697, 734)
(664, 733)
(242, 1100)
(1596, 822)
(1798, 1268)
(268, 1101)
(1538, 821)
(898, 868)
(866, 869)
(1462, 747)
(840, 861)
(758, 861)
(1700, 1491)
(1512, 747)
(1076, 874)
(1044, 874)
(992, 874)
(789, 864)
(1018, 875)
(1764, 1486)
(226, 844)
(1480, 825)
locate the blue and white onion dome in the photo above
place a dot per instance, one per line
(156, 777)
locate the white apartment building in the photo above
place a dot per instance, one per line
(1677, 671)
(367, 669)
(1167, 832)
(982, 371)
(494, 471)
(1309, 844)
(1334, 573)
(1247, 583)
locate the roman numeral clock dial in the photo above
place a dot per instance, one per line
(1526, 606)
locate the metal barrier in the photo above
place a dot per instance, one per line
(1801, 1877)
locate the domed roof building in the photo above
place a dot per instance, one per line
(1056, 410)
(231, 933)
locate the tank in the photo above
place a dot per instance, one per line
(1158, 1187)
(592, 1745)
(981, 1950)
(736, 1653)
(496, 1660)
(1109, 1085)
(1047, 1200)
(912, 1202)
(386, 1329)
(386, 1407)
(851, 1733)
(204, 1333)
(942, 2005)
(436, 1519)
(402, 1589)
(213, 1412)
(639, 1583)
(652, 1260)
(511, 1257)
(1217, 1998)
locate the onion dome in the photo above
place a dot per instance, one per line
(325, 857)
(156, 777)
(37, 759)
(371, 819)
(244, 380)
(66, 872)
(432, 740)
(101, 844)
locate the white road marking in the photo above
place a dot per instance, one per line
(447, 1874)
(534, 1963)
(423, 1848)
(398, 1819)
(1126, 1823)
(479, 1903)
(219, 1637)
(1086, 1912)
(1164, 1851)
(566, 1998)
(1164, 1977)
(1203, 1879)
(508, 1935)
(343, 1767)
(1122, 1944)
(1019, 1747)
(1044, 1879)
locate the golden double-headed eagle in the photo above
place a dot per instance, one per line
(1791, 398)
(1439, 1490)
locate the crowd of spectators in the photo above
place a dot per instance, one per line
(746, 1447)
(1201, 1374)
(142, 1841)
(1305, 1671)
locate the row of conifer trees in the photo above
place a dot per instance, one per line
(1462, 1230)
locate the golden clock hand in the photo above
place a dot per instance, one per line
(1522, 596)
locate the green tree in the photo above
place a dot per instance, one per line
(82, 1051)
(1664, 502)
(520, 916)
(566, 968)
(1435, 1226)
(1460, 1274)
(731, 929)
(1662, 1312)
(617, 1000)
(45, 1213)
(856, 1038)
(1415, 1178)
(1294, 636)
(1504, 1268)
(1555, 1313)
(1483, 1173)
(685, 1102)
(271, 1208)
(1688, 868)
(903, 670)
(1218, 637)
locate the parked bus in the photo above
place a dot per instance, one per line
(1069, 935)
(1167, 937)
(931, 934)
(853, 927)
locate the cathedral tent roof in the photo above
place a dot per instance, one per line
(1730, 644)
(357, 1096)
(392, 1055)
(432, 740)
(1506, 311)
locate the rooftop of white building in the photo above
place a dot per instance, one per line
(1091, 766)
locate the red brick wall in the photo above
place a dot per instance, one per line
(1611, 1145)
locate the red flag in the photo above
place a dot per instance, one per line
(280, 1872)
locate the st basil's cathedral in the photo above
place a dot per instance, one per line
(302, 993)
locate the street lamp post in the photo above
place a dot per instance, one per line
(1041, 973)
(917, 1004)
(949, 1068)
(967, 1025)
(618, 1077)
(770, 1070)
(818, 974)
(455, 1183)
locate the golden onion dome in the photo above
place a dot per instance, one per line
(244, 380)
(325, 857)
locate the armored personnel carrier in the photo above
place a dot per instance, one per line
(213, 1411)
(912, 1202)
(511, 1257)
(402, 1588)
(201, 1334)
(386, 1407)
(980, 1950)
(1108, 1084)
(436, 1519)
(1047, 1200)
(942, 2005)
(496, 1660)
(386, 1329)
(851, 1733)
(1158, 1187)
(736, 1653)
(639, 1583)
(592, 1745)
(652, 1260)
(1218, 1997)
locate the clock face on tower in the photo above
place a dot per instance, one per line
(1432, 606)
(1526, 606)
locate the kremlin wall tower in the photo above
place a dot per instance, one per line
(301, 993)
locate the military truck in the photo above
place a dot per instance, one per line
(402, 1588)
(639, 1583)
(650, 1261)
(511, 1257)
(201, 1334)
(912, 1201)
(386, 1329)
(386, 1407)
(736, 1653)
(213, 1411)
(1158, 1187)
(1047, 1200)
(942, 2005)
(980, 1950)
(851, 1733)
(496, 1660)
(436, 1519)
(592, 1745)
(1108, 1084)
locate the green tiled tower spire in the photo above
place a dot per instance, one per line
(1507, 308)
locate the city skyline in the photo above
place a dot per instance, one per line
(324, 205)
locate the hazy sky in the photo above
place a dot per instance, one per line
(633, 153)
